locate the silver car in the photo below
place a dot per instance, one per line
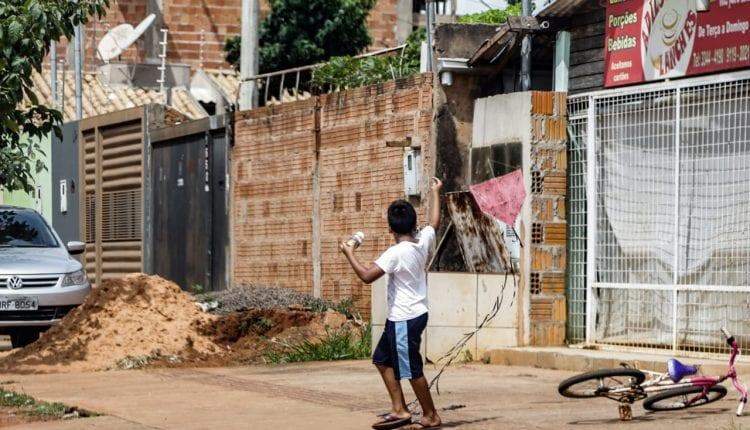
(40, 281)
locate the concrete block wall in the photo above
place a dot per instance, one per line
(307, 174)
(458, 304)
(548, 218)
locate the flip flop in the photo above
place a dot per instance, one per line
(420, 426)
(390, 422)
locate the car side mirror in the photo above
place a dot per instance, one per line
(75, 248)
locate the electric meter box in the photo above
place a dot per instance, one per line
(412, 168)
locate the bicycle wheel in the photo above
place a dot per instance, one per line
(673, 400)
(599, 382)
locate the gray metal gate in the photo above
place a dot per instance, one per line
(187, 203)
(659, 190)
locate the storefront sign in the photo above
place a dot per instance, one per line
(657, 39)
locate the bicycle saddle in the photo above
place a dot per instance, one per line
(677, 370)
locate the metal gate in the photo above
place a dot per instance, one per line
(659, 232)
(110, 163)
(187, 209)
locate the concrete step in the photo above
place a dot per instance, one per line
(583, 360)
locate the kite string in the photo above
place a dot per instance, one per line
(458, 347)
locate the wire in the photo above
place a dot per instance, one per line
(452, 354)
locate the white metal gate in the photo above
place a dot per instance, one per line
(667, 214)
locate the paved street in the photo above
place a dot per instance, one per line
(342, 395)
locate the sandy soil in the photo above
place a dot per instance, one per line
(145, 320)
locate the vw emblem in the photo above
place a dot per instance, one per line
(15, 283)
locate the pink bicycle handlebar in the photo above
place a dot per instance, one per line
(732, 342)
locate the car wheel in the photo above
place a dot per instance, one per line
(23, 337)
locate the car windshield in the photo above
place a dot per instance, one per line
(24, 229)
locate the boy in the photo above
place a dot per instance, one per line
(397, 354)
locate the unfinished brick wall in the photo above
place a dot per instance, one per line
(548, 229)
(274, 167)
(198, 30)
(382, 24)
(273, 162)
(360, 176)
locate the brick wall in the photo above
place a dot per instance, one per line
(358, 176)
(548, 228)
(197, 30)
(273, 163)
(382, 24)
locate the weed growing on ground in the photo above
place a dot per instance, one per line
(33, 407)
(341, 344)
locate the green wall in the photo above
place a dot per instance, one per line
(43, 178)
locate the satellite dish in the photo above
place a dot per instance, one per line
(121, 37)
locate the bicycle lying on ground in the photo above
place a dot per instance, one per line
(677, 389)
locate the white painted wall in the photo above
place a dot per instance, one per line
(506, 118)
(458, 303)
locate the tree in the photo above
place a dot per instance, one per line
(26, 29)
(302, 32)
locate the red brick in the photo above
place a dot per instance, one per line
(354, 165)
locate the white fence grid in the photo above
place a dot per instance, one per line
(667, 213)
(576, 273)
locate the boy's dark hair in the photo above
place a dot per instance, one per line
(402, 218)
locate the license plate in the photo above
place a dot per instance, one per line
(19, 303)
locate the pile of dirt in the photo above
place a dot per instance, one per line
(247, 336)
(142, 320)
(132, 316)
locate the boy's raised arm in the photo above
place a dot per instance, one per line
(435, 186)
(368, 274)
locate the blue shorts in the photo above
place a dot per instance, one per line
(398, 348)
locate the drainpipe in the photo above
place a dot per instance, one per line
(525, 78)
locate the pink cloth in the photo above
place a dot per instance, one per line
(501, 197)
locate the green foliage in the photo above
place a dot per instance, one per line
(303, 32)
(492, 16)
(30, 406)
(26, 29)
(348, 72)
(197, 289)
(342, 344)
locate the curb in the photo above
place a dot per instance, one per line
(579, 360)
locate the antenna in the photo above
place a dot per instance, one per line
(121, 37)
(163, 66)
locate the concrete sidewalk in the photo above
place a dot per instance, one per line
(582, 360)
(341, 395)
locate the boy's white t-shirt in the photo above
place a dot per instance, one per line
(406, 266)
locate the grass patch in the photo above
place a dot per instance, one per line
(342, 344)
(37, 408)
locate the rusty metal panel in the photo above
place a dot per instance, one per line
(479, 236)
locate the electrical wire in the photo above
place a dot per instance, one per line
(455, 351)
